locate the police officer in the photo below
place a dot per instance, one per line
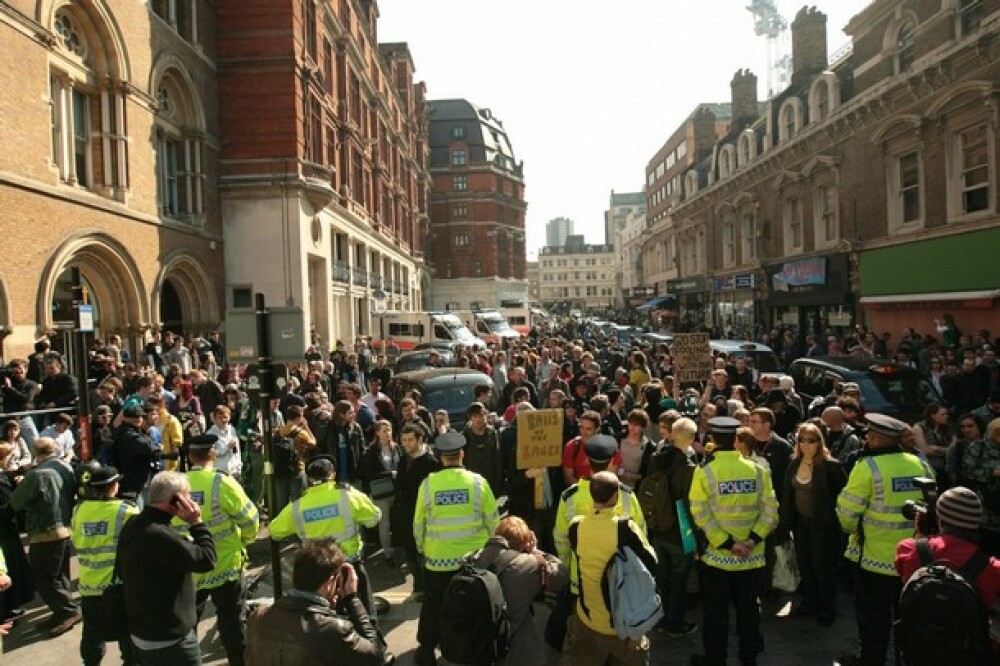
(869, 511)
(233, 521)
(456, 514)
(577, 501)
(97, 524)
(733, 502)
(331, 510)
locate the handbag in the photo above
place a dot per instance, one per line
(786, 570)
(382, 487)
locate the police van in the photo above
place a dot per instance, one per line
(405, 330)
(489, 325)
(522, 318)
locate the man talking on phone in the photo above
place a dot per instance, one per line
(157, 566)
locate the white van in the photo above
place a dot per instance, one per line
(522, 319)
(489, 325)
(405, 330)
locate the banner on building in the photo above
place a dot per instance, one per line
(692, 357)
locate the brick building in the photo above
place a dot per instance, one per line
(111, 143)
(477, 242)
(324, 180)
(866, 191)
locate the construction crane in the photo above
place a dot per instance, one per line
(770, 24)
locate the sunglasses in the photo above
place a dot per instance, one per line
(808, 440)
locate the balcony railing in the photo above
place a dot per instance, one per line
(360, 277)
(341, 271)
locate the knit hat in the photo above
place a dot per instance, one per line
(960, 507)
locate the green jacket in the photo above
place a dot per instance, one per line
(46, 497)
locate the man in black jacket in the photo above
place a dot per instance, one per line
(133, 453)
(156, 565)
(18, 396)
(778, 452)
(417, 466)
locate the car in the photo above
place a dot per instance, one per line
(416, 360)
(624, 334)
(450, 389)
(658, 338)
(761, 357)
(886, 387)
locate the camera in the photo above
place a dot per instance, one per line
(923, 512)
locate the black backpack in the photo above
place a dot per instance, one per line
(941, 617)
(656, 501)
(475, 629)
(283, 456)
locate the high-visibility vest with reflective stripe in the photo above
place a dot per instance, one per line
(232, 519)
(732, 497)
(456, 513)
(870, 507)
(328, 511)
(97, 524)
(576, 501)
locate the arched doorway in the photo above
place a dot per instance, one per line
(171, 312)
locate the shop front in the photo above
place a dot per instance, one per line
(693, 302)
(811, 295)
(912, 285)
(735, 299)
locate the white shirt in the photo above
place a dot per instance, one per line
(227, 460)
(65, 441)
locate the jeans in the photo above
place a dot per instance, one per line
(719, 588)
(92, 641)
(384, 528)
(671, 575)
(183, 653)
(49, 562)
(29, 433)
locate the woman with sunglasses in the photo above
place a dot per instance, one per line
(808, 512)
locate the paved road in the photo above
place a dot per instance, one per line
(790, 641)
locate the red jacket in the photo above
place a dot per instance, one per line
(954, 552)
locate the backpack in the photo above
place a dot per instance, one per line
(283, 457)
(941, 617)
(656, 501)
(635, 606)
(475, 629)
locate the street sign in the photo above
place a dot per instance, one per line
(85, 318)
(379, 301)
(254, 383)
(286, 330)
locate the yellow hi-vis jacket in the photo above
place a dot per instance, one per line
(97, 524)
(328, 510)
(732, 498)
(456, 514)
(870, 507)
(230, 516)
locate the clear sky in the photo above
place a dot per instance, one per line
(588, 90)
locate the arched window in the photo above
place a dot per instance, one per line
(727, 161)
(824, 97)
(180, 152)
(87, 104)
(789, 119)
(690, 184)
(905, 47)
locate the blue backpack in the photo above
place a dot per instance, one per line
(635, 606)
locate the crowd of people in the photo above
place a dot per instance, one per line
(708, 484)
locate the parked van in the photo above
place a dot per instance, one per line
(522, 319)
(405, 330)
(489, 326)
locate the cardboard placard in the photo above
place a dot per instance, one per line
(539, 438)
(692, 357)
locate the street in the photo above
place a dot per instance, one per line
(789, 641)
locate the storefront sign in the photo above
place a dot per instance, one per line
(692, 357)
(733, 282)
(801, 273)
(687, 285)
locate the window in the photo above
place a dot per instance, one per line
(908, 186)
(458, 132)
(789, 119)
(447, 269)
(168, 172)
(461, 239)
(748, 232)
(827, 220)
(180, 162)
(729, 241)
(726, 159)
(459, 183)
(477, 268)
(970, 15)
(905, 46)
(690, 184)
(80, 151)
(792, 219)
(460, 210)
(822, 102)
(458, 157)
(973, 170)
(747, 144)
(309, 27)
(182, 16)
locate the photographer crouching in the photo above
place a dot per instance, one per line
(950, 584)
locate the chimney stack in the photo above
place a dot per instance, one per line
(704, 133)
(744, 99)
(808, 44)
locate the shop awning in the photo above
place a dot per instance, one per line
(931, 297)
(658, 303)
